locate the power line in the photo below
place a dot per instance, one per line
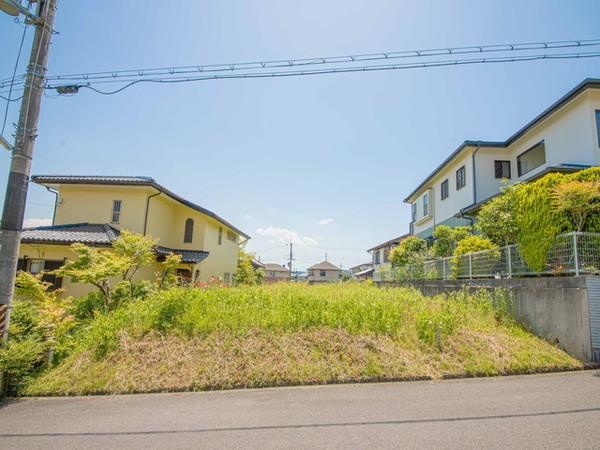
(134, 74)
(350, 59)
(288, 73)
(12, 81)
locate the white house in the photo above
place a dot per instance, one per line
(380, 252)
(563, 138)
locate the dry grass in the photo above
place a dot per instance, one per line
(159, 363)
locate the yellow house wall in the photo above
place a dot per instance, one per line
(93, 204)
(166, 223)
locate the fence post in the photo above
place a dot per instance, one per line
(509, 256)
(576, 254)
(470, 266)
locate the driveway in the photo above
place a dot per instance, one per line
(535, 411)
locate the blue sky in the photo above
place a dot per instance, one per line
(324, 160)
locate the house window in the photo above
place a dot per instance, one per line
(231, 236)
(35, 266)
(322, 273)
(227, 277)
(220, 239)
(188, 235)
(461, 178)
(531, 159)
(598, 125)
(413, 211)
(376, 256)
(116, 211)
(444, 189)
(426, 205)
(386, 255)
(502, 169)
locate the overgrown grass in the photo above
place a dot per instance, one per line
(192, 339)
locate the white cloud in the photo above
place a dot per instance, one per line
(32, 222)
(248, 217)
(325, 221)
(286, 236)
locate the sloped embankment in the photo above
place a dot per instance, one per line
(219, 338)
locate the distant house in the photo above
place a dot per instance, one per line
(563, 138)
(362, 271)
(93, 210)
(324, 272)
(381, 252)
(276, 272)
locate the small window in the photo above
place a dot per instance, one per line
(502, 169)
(386, 255)
(116, 211)
(461, 178)
(426, 205)
(531, 159)
(444, 189)
(598, 125)
(322, 273)
(413, 211)
(220, 239)
(188, 235)
(227, 277)
(376, 257)
(231, 236)
(36, 266)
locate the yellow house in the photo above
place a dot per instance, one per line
(93, 209)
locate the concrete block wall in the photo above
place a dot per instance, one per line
(554, 308)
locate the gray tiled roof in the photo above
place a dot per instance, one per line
(85, 233)
(101, 234)
(187, 256)
(128, 181)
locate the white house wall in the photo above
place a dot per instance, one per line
(445, 210)
(570, 137)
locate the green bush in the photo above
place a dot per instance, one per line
(19, 359)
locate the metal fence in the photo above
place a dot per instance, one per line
(570, 254)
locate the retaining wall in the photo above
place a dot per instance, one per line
(557, 309)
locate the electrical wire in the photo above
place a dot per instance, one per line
(351, 59)
(10, 90)
(289, 73)
(130, 74)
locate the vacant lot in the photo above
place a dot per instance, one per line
(219, 338)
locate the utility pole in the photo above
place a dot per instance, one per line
(22, 154)
(291, 259)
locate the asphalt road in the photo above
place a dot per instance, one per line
(536, 411)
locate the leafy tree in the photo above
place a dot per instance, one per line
(167, 277)
(412, 250)
(446, 239)
(96, 267)
(497, 219)
(578, 199)
(53, 316)
(472, 244)
(136, 249)
(245, 273)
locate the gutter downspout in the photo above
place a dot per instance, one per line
(147, 207)
(474, 174)
(55, 202)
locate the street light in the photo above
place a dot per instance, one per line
(14, 8)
